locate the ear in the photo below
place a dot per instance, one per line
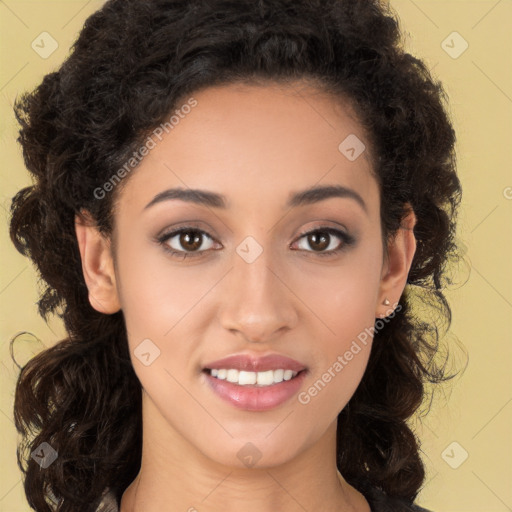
(97, 265)
(396, 266)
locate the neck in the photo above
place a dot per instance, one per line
(194, 482)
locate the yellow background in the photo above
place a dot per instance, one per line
(477, 410)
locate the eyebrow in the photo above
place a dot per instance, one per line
(214, 200)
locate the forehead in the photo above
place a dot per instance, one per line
(247, 141)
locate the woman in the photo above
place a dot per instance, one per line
(236, 206)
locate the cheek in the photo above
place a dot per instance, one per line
(343, 296)
(341, 356)
(344, 302)
(156, 293)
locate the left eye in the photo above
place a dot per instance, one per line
(323, 241)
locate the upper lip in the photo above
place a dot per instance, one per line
(252, 363)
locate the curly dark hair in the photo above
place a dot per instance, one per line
(129, 68)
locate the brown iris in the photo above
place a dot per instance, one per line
(191, 240)
(320, 238)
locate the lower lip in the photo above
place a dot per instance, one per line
(256, 398)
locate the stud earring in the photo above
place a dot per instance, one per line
(386, 302)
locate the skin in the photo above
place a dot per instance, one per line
(256, 145)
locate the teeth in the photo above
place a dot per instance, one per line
(288, 374)
(247, 378)
(232, 375)
(278, 375)
(265, 378)
(243, 378)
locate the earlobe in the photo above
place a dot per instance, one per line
(399, 258)
(97, 265)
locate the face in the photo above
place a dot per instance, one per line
(255, 271)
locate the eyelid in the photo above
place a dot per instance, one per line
(190, 225)
(323, 228)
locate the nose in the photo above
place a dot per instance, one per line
(259, 304)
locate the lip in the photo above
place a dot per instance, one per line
(251, 363)
(255, 398)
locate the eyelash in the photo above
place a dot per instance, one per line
(347, 240)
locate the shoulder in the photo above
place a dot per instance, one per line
(379, 501)
(108, 502)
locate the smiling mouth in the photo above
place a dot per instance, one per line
(253, 379)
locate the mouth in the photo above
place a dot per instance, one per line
(253, 382)
(253, 379)
(254, 391)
